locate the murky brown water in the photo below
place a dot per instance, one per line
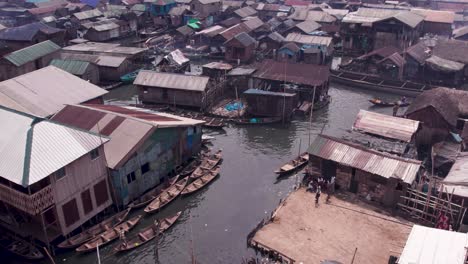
(219, 217)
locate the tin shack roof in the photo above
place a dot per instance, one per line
(99, 47)
(100, 60)
(44, 92)
(32, 53)
(436, 16)
(245, 11)
(456, 180)
(302, 74)
(27, 32)
(355, 156)
(128, 127)
(309, 40)
(432, 245)
(218, 66)
(386, 126)
(267, 93)
(172, 81)
(32, 148)
(372, 15)
(88, 14)
(74, 67)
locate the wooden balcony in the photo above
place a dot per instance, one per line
(32, 204)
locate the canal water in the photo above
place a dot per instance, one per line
(216, 221)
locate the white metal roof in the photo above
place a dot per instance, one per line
(457, 178)
(32, 149)
(171, 81)
(427, 245)
(387, 126)
(308, 40)
(44, 92)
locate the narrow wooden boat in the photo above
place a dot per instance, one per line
(378, 102)
(257, 121)
(148, 233)
(213, 123)
(207, 164)
(187, 170)
(91, 232)
(109, 235)
(201, 182)
(166, 196)
(149, 196)
(19, 247)
(294, 164)
(372, 82)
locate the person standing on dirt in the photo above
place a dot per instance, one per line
(317, 195)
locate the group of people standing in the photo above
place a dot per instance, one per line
(317, 184)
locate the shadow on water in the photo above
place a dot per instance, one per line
(220, 216)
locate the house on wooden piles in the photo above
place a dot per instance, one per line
(240, 48)
(159, 10)
(177, 15)
(175, 62)
(59, 178)
(436, 22)
(17, 38)
(206, 8)
(314, 49)
(44, 92)
(262, 103)
(175, 89)
(207, 36)
(133, 54)
(182, 36)
(28, 59)
(370, 28)
(289, 52)
(379, 176)
(216, 70)
(384, 133)
(144, 148)
(85, 70)
(440, 110)
(86, 16)
(110, 68)
(240, 79)
(271, 43)
(299, 78)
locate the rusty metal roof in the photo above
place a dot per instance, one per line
(457, 179)
(371, 161)
(302, 74)
(245, 11)
(172, 81)
(386, 126)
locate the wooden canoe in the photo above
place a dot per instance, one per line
(187, 170)
(257, 121)
(148, 233)
(19, 247)
(91, 232)
(109, 235)
(294, 164)
(201, 182)
(378, 102)
(166, 196)
(207, 164)
(149, 196)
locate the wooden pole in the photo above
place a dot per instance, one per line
(354, 256)
(97, 251)
(48, 255)
(311, 113)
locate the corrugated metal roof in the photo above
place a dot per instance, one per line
(32, 149)
(446, 17)
(128, 127)
(239, 71)
(432, 245)
(27, 32)
(386, 126)
(302, 74)
(253, 23)
(263, 92)
(172, 81)
(44, 92)
(234, 30)
(308, 26)
(103, 25)
(244, 39)
(372, 15)
(100, 60)
(88, 14)
(309, 40)
(218, 66)
(320, 16)
(456, 180)
(32, 53)
(211, 31)
(368, 160)
(75, 67)
(111, 48)
(440, 64)
(245, 12)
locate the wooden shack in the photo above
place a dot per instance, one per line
(24, 36)
(240, 48)
(383, 182)
(85, 70)
(173, 89)
(270, 104)
(28, 59)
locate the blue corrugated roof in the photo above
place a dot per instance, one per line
(92, 3)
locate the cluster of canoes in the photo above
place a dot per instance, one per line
(190, 179)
